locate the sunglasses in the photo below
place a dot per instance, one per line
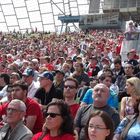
(69, 86)
(52, 115)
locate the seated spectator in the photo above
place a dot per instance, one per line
(70, 63)
(70, 90)
(118, 69)
(58, 124)
(66, 70)
(33, 117)
(47, 90)
(80, 75)
(4, 81)
(93, 68)
(121, 80)
(28, 77)
(14, 129)
(46, 61)
(99, 126)
(113, 98)
(2, 67)
(82, 91)
(101, 95)
(127, 103)
(14, 77)
(131, 58)
(7, 98)
(128, 129)
(59, 80)
(13, 68)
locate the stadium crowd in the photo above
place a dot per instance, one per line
(68, 86)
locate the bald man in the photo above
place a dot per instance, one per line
(100, 97)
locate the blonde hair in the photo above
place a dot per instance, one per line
(136, 83)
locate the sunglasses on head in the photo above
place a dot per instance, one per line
(52, 115)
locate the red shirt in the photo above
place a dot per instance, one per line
(48, 137)
(33, 109)
(73, 109)
(50, 67)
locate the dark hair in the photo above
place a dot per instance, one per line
(103, 76)
(67, 126)
(106, 119)
(117, 61)
(81, 65)
(72, 79)
(6, 78)
(21, 84)
(108, 70)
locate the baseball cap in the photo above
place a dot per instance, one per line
(47, 75)
(59, 71)
(28, 72)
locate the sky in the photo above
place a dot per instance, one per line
(43, 14)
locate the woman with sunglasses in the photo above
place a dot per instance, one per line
(58, 124)
(99, 126)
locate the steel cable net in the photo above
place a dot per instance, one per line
(20, 15)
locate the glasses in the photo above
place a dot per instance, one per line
(98, 128)
(52, 115)
(69, 86)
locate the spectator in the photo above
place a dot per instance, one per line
(28, 77)
(70, 63)
(82, 91)
(58, 124)
(127, 103)
(101, 95)
(80, 75)
(4, 81)
(14, 77)
(99, 126)
(113, 98)
(59, 79)
(121, 80)
(66, 70)
(33, 117)
(70, 90)
(14, 129)
(118, 69)
(128, 127)
(93, 68)
(47, 90)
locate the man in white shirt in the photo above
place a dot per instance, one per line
(28, 77)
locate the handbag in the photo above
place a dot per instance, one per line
(131, 120)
